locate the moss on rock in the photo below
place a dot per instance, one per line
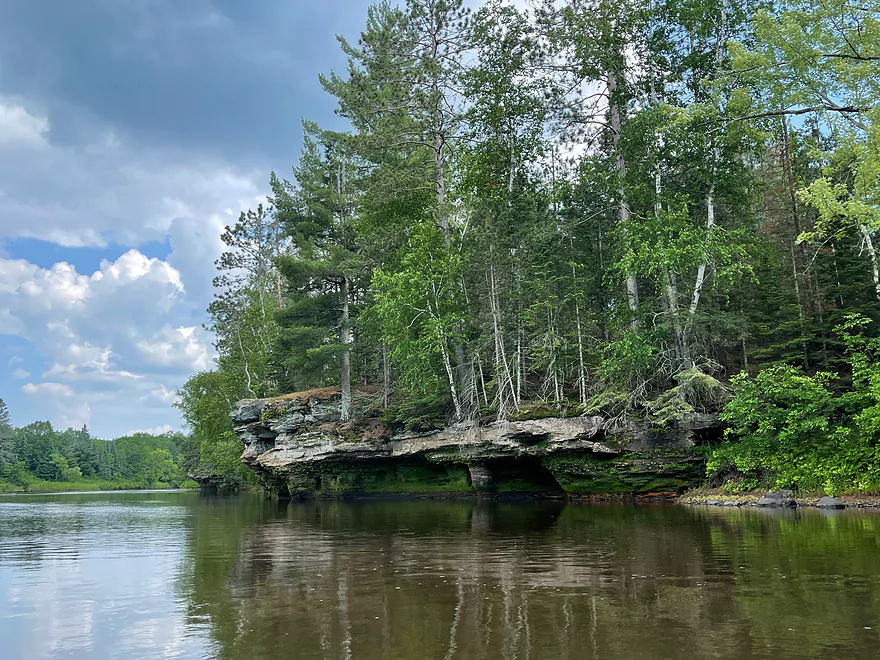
(630, 472)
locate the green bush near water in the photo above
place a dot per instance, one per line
(811, 432)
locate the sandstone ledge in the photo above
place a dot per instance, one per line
(298, 443)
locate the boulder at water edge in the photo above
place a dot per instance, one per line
(780, 498)
(831, 503)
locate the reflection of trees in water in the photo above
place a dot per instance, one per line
(484, 581)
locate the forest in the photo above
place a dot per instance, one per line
(38, 457)
(639, 209)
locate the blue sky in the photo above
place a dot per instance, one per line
(131, 132)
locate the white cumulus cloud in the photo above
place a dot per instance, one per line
(51, 389)
(21, 129)
(112, 344)
(114, 339)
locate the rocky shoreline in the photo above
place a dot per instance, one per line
(299, 445)
(777, 500)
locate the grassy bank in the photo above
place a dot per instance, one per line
(41, 486)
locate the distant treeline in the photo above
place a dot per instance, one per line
(37, 453)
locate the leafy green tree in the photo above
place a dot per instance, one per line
(822, 61)
(419, 307)
(63, 470)
(249, 294)
(204, 402)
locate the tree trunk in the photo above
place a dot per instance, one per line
(247, 370)
(582, 370)
(701, 270)
(810, 299)
(720, 48)
(869, 245)
(345, 340)
(440, 187)
(797, 293)
(623, 211)
(837, 276)
(502, 369)
(671, 286)
(482, 380)
(520, 360)
(386, 378)
(447, 363)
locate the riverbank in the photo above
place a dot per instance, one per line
(40, 486)
(718, 497)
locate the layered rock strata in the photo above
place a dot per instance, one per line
(299, 445)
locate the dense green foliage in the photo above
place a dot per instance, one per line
(37, 457)
(811, 432)
(205, 401)
(600, 207)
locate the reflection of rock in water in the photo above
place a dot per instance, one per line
(492, 516)
(491, 580)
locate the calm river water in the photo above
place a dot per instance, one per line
(180, 575)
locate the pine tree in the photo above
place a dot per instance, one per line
(5, 423)
(322, 272)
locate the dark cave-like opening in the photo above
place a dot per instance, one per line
(523, 474)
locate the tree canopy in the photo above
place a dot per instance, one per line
(598, 207)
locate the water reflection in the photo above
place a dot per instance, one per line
(178, 575)
(463, 580)
(91, 576)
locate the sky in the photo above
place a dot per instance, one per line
(131, 132)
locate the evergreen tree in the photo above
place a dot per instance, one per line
(5, 422)
(322, 271)
(249, 294)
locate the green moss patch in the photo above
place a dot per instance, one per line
(375, 477)
(631, 472)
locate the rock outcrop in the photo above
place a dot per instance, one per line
(830, 503)
(298, 444)
(781, 498)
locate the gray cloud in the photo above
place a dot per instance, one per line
(128, 121)
(228, 77)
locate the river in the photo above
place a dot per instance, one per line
(182, 575)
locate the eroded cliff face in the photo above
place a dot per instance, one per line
(299, 445)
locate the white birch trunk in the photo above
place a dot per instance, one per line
(720, 47)
(502, 369)
(582, 370)
(345, 359)
(247, 371)
(623, 211)
(447, 363)
(701, 270)
(386, 378)
(869, 245)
